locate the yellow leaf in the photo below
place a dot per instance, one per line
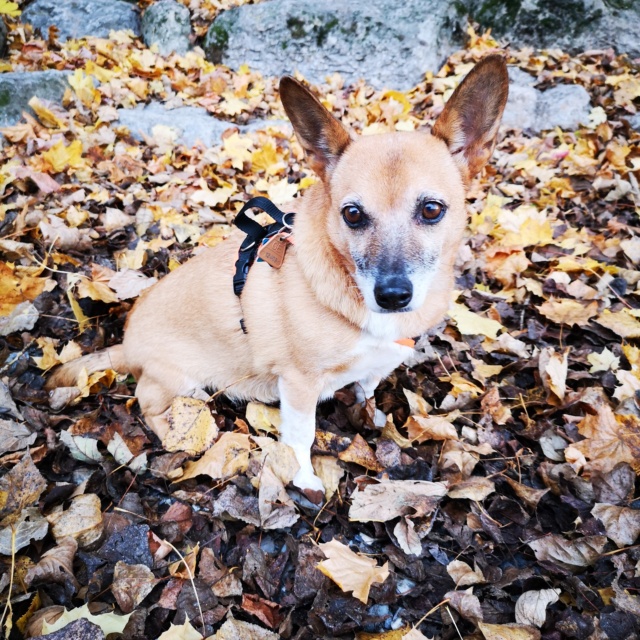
(83, 321)
(604, 361)
(282, 191)
(108, 622)
(266, 159)
(226, 458)
(423, 428)
(622, 322)
(237, 149)
(193, 428)
(351, 571)
(45, 115)
(567, 311)
(263, 417)
(49, 357)
(83, 86)
(461, 385)
(9, 9)
(60, 157)
(16, 288)
(470, 323)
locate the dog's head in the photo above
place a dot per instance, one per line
(397, 210)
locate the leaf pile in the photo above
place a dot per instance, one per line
(492, 489)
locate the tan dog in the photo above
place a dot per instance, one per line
(375, 244)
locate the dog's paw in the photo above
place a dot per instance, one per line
(310, 484)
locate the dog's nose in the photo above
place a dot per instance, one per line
(393, 293)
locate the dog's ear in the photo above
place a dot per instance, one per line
(322, 137)
(470, 119)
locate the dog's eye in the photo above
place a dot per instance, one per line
(352, 215)
(432, 211)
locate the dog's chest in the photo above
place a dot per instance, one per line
(375, 355)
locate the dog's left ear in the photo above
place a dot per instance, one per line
(323, 138)
(470, 120)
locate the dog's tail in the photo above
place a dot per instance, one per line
(67, 374)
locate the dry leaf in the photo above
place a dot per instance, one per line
(351, 571)
(108, 622)
(262, 417)
(55, 565)
(463, 575)
(475, 488)
(621, 523)
(17, 535)
(622, 323)
(553, 369)
(237, 630)
(131, 585)
(566, 311)
(508, 632)
(531, 606)
(82, 520)
(408, 539)
(472, 324)
(328, 469)
(389, 499)
(193, 428)
(226, 458)
(570, 554)
(422, 428)
(183, 631)
(359, 452)
(19, 488)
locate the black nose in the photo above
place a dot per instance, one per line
(393, 293)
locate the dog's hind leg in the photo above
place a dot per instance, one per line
(298, 401)
(155, 398)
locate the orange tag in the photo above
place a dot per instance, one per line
(273, 251)
(406, 342)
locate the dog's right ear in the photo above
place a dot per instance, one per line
(323, 138)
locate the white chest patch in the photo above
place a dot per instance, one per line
(375, 355)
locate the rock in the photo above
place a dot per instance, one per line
(634, 121)
(3, 38)
(573, 25)
(565, 105)
(80, 18)
(190, 124)
(18, 87)
(78, 630)
(167, 23)
(389, 43)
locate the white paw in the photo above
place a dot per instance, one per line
(306, 479)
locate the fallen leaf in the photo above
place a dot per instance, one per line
(622, 524)
(17, 535)
(328, 469)
(226, 458)
(508, 632)
(14, 436)
(570, 554)
(389, 499)
(82, 520)
(108, 622)
(463, 575)
(475, 488)
(351, 571)
(56, 564)
(531, 606)
(237, 630)
(472, 324)
(20, 488)
(359, 452)
(131, 585)
(622, 323)
(408, 539)
(566, 311)
(193, 428)
(422, 428)
(183, 631)
(553, 369)
(263, 417)
(466, 604)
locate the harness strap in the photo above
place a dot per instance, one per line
(256, 233)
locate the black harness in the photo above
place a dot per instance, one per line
(256, 236)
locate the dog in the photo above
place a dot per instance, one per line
(375, 241)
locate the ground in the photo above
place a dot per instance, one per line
(499, 499)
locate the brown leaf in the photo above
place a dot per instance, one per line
(226, 458)
(621, 523)
(236, 629)
(266, 611)
(530, 496)
(570, 554)
(463, 575)
(359, 452)
(56, 565)
(82, 520)
(20, 488)
(131, 585)
(566, 311)
(423, 428)
(466, 604)
(389, 499)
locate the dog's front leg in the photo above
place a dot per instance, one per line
(298, 402)
(365, 388)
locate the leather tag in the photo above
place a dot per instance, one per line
(273, 251)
